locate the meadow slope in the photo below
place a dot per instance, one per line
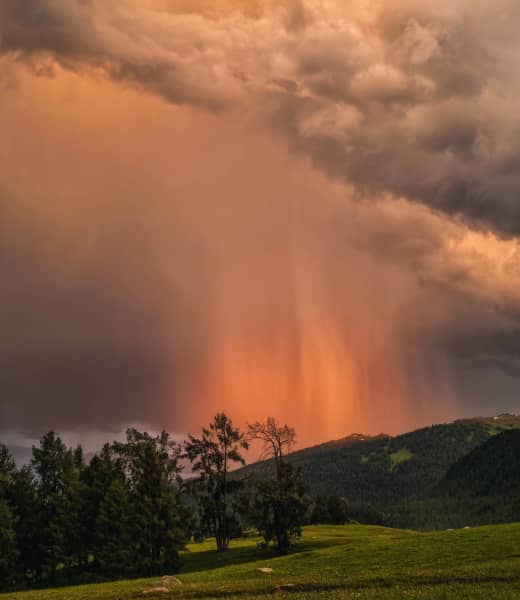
(338, 562)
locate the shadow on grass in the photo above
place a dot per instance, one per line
(206, 560)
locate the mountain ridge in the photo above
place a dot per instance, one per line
(383, 470)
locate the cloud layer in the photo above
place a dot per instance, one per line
(342, 82)
(258, 206)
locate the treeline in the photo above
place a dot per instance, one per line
(128, 512)
(119, 515)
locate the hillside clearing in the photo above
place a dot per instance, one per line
(337, 562)
(400, 456)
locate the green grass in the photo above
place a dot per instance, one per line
(339, 562)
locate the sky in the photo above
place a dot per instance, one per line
(301, 208)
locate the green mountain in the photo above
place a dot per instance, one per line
(492, 469)
(386, 471)
(482, 487)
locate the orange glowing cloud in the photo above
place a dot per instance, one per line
(280, 208)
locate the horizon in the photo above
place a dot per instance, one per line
(22, 454)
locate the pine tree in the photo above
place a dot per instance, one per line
(68, 516)
(153, 470)
(96, 478)
(59, 496)
(114, 545)
(211, 456)
(26, 512)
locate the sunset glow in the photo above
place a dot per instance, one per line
(305, 209)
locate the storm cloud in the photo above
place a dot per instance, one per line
(82, 340)
(256, 206)
(341, 82)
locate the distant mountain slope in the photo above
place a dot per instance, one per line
(492, 469)
(482, 487)
(384, 470)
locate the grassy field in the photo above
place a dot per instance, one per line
(338, 562)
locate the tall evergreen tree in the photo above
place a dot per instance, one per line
(153, 471)
(114, 542)
(69, 516)
(58, 492)
(97, 477)
(26, 511)
(211, 456)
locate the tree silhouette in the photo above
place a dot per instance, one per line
(211, 456)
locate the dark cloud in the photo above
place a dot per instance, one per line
(426, 113)
(507, 366)
(84, 342)
(493, 344)
(243, 281)
(393, 97)
(81, 35)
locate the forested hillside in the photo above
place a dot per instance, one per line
(383, 471)
(489, 470)
(482, 487)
